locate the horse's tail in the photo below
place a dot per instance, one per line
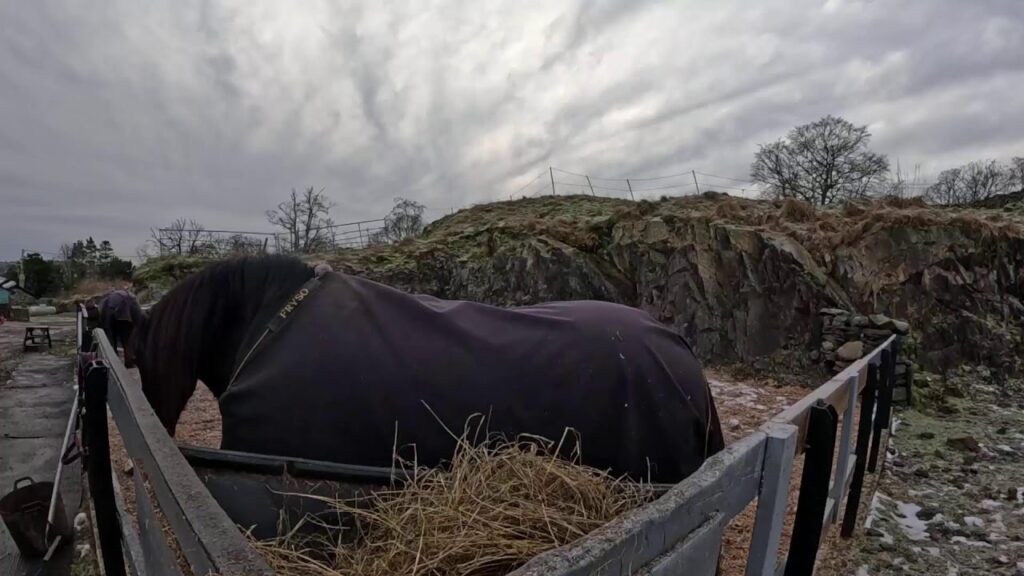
(714, 438)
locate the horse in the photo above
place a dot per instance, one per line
(334, 367)
(118, 314)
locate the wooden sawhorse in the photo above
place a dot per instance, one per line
(35, 337)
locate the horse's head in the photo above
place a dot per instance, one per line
(195, 331)
(136, 344)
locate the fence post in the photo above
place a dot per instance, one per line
(867, 407)
(591, 187)
(551, 173)
(772, 499)
(845, 441)
(86, 344)
(695, 183)
(810, 509)
(909, 376)
(97, 461)
(630, 186)
(884, 404)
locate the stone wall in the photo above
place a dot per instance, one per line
(844, 337)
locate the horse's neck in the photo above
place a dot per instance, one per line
(228, 340)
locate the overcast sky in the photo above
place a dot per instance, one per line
(119, 116)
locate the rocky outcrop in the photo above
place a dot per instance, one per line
(740, 279)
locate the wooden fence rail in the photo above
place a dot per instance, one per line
(680, 532)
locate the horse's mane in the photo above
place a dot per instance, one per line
(195, 330)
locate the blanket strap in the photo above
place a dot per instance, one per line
(279, 320)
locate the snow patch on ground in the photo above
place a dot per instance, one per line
(876, 506)
(964, 540)
(915, 528)
(990, 504)
(974, 521)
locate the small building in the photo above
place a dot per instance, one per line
(7, 289)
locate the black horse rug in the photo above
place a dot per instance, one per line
(119, 312)
(350, 367)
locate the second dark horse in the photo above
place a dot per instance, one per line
(339, 368)
(119, 314)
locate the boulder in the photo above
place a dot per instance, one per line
(881, 321)
(851, 351)
(964, 444)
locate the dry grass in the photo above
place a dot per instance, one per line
(92, 287)
(497, 505)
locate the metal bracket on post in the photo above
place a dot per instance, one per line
(867, 407)
(97, 461)
(810, 510)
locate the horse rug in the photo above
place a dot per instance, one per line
(121, 306)
(352, 368)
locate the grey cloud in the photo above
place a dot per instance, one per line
(118, 119)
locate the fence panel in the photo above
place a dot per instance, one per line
(705, 502)
(209, 540)
(680, 531)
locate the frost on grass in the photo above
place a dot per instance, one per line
(943, 507)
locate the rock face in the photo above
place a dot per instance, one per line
(740, 279)
(735, 291)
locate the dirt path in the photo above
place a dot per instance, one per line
(36, 394)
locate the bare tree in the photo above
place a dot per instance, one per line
(972, 182)
(404, 221)
(1016, 169)
(820, 162)
(304, 218)
(238, 244)
(182, 237)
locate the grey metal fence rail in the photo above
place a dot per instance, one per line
(209, 540)
(681, 532)
(216, 242)
(678, 533)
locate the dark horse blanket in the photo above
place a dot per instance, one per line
(357, 362)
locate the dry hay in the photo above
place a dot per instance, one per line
(495, 506)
